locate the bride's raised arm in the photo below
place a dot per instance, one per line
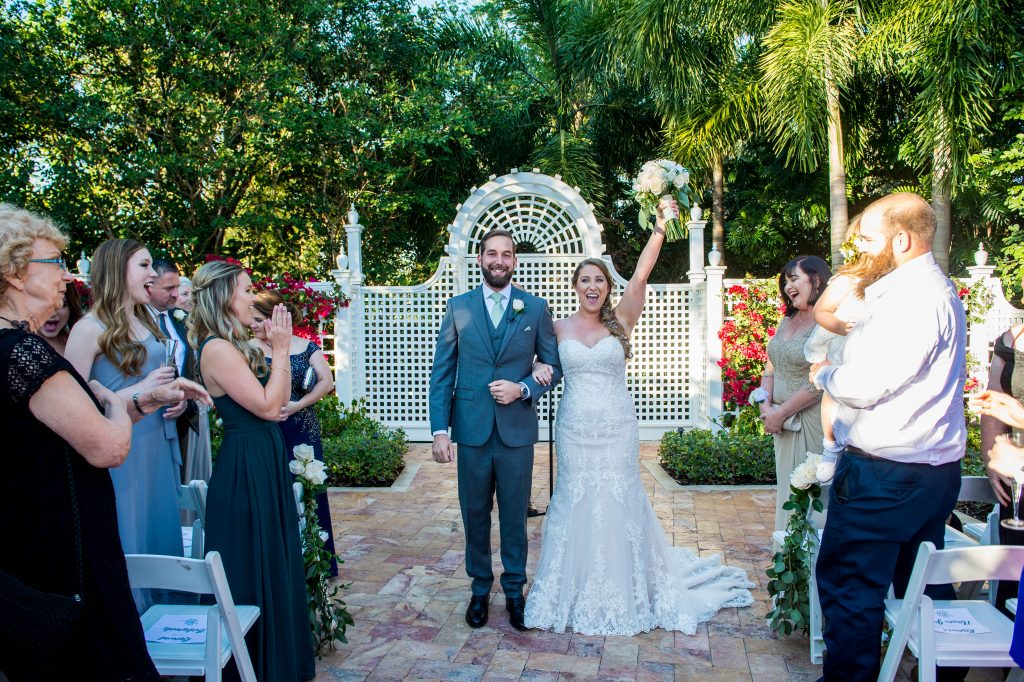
(632, 302)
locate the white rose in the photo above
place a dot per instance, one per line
(805, 475)
(652, 181)
(180, 315)
(303, 453)
(296, 467)
(518, 305)
(315, 472)
(670, 166)
(650, 166)
(681, 180)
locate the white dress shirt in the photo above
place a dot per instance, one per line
(899, 390)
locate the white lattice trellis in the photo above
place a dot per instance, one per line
(385, 339)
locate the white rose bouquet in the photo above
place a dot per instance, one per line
(328, 615)
(659, 179)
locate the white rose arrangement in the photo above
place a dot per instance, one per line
(804, 476)
(328, 615)
(658, 179)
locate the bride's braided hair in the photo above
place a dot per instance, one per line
(607, 313)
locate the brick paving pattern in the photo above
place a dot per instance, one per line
(408, 593)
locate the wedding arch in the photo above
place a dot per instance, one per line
(384, 339)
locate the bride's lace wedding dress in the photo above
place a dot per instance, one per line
(606, 567)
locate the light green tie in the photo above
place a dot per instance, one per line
(496, 309)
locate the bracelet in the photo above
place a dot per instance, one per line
(135, 402)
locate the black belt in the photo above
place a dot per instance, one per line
(857, 452)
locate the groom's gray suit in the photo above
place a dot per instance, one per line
(495, 441)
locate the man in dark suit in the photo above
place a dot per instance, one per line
(163, 296)
(481, 388)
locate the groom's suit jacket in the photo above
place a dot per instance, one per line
(466, 361)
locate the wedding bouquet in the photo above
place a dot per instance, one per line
(658, 179)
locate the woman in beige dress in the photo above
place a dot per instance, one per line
(792, 412)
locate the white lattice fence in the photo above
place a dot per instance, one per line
(386, 338)
(400, 327)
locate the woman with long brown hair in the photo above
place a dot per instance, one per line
(606, 566)
(298, 420)
(250, 509)
(119, 345)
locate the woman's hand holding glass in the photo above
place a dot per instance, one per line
(1006, 458)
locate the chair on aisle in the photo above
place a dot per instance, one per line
(817, 640)
(192, 498)
(227, 622)
(975, 489)
(913, 619)
(979, 489)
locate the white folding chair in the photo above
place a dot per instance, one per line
(816, 638)
(978, 489)
(226, 622)
(192, 498)
(913, 617)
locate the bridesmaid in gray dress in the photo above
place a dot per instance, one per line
(118, 344)
(793, 412)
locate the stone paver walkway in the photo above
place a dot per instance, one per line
(403, 555)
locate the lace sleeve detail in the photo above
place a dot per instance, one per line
(30, 361)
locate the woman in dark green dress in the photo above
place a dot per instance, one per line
(250, 510)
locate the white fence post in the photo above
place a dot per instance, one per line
(714, 316)
(696, 227)
(348, 322)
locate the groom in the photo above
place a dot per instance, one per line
(481, 387)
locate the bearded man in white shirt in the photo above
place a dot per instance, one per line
(899, 413)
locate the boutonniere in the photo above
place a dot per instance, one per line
(517, 308)
(180, 315)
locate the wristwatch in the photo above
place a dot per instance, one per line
(524, 392)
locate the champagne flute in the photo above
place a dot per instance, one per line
(1015, 523)
(170, 354)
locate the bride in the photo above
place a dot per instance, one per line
(606, 567)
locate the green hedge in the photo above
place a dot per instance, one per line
(359, 451)
(700, 456)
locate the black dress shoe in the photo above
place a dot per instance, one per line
(515, 606)
(476, 614)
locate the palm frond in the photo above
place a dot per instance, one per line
(810, 48)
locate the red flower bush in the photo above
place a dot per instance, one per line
(314, 307)
(755, 310)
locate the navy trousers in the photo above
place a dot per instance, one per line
(879, 514)
(485, 472)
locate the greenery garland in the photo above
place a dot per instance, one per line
(328, 617)
(790, 572)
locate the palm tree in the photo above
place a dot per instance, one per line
(808, 61)
(956, 54)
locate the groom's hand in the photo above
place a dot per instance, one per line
(443, 450)
(504, 392)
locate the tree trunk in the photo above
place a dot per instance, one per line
(838, 210)
(942, 205)
(718, 205)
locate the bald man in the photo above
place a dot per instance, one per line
(899, 414)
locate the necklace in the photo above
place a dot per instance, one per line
(16, 324)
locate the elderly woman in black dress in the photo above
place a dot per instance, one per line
(56, 499)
